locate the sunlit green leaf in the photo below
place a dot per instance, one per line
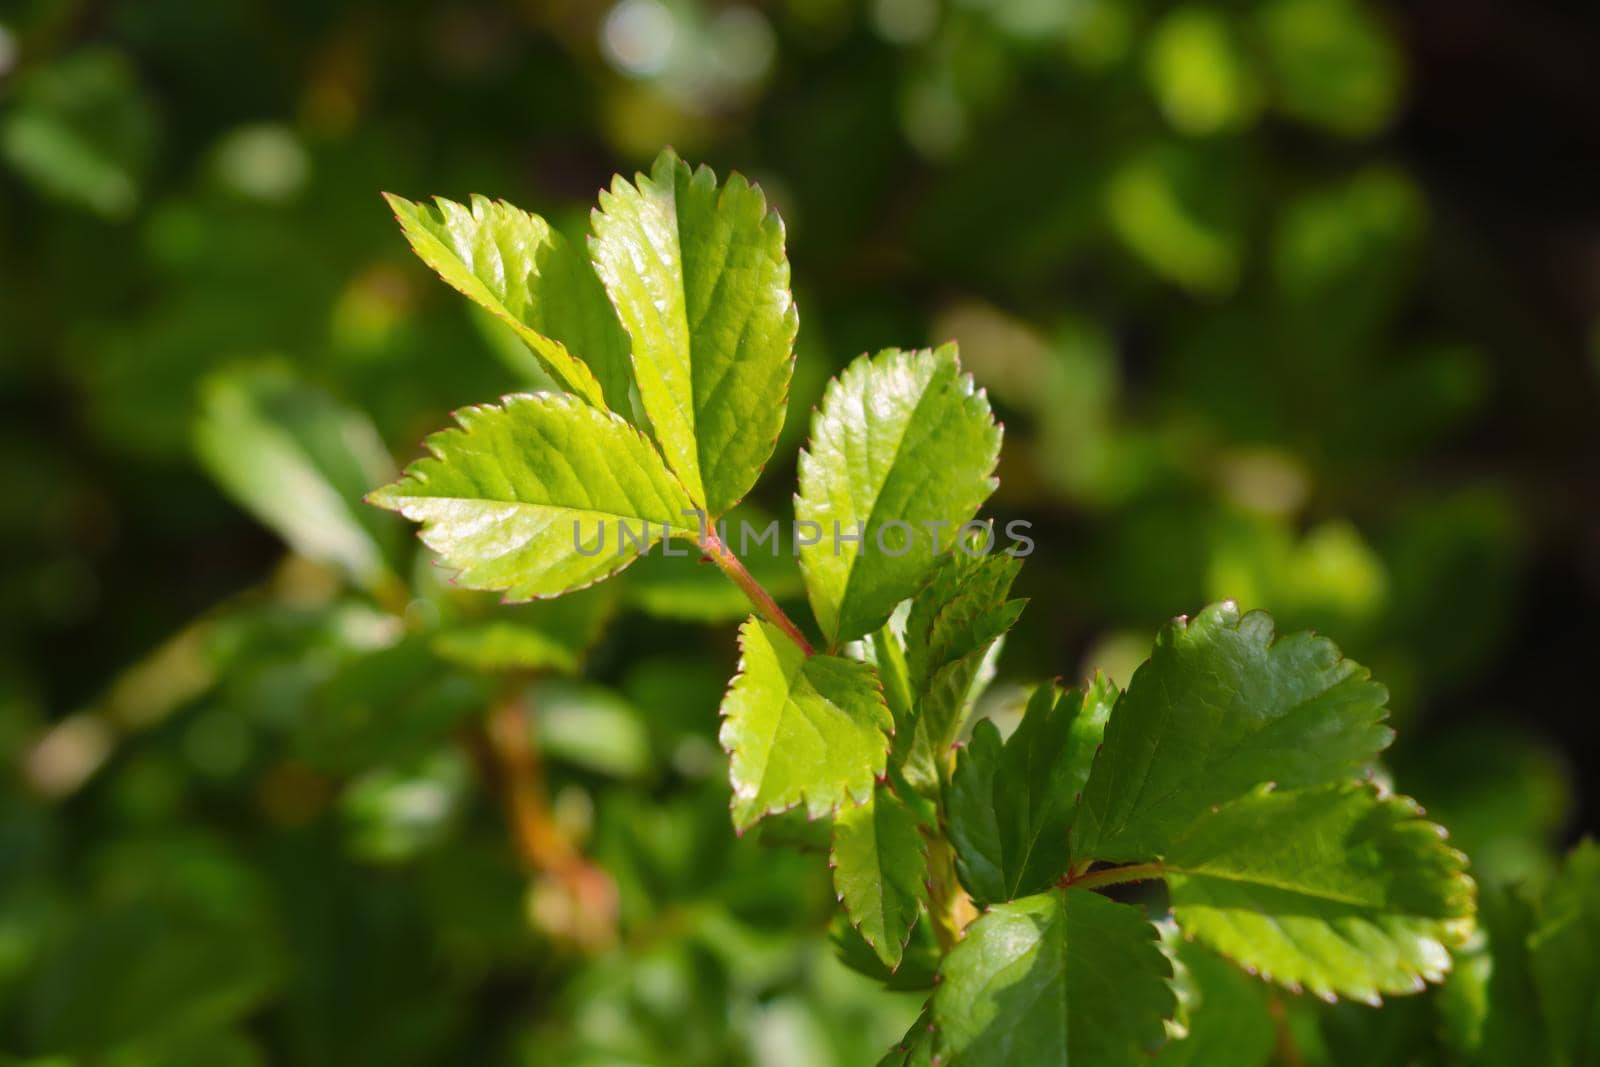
(700, 280)
(800, 729)
(530, 277)
(1333, 889)
(540, 495)
(902, 453)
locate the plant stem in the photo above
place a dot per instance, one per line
(542, 845)
(723, 557)
(1142, 872)
(948, 904)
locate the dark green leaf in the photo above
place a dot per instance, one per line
(1010, 806)
(1564, 954)
(1219, 708)
(1063, 979)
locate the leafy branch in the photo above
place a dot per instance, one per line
(1235, 767)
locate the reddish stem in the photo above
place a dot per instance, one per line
(723, 557)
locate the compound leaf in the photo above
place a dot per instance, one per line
(800, 729)
(539, 495)
(1334, 888)
(700, 281)
(903, 450)
(1010, 805)
(1063, 979)
(880, 867)
(521, 270)
(1219, 708)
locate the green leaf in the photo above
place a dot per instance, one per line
(1062, 979)
(700, 280)
(800, 729)
(525, 273)
(1010, 806)
(916, 1048)
(1334, 889)
(1228, 1021)
(298, 462)
(919, 960)
(954, 622)
(1490, 1010)
(1221, 707)
(532, 497)
(888, 655)
(902, 447)
(1564, 954)
(880, 869)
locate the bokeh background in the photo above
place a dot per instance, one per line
(1293, 301)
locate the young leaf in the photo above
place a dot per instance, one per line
(1564, 954)
(700, 280)
(1010, 806)
(800, 729)
(526, 274)
(1063, 979)
(888, 655)
(1228, 1021)
(954, 622)
(1219, 708)
(903, 451)
(1332, 888)
(532, 497)
(880, 867)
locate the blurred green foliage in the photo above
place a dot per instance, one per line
(248, 815)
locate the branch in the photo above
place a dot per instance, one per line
(588, 910)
